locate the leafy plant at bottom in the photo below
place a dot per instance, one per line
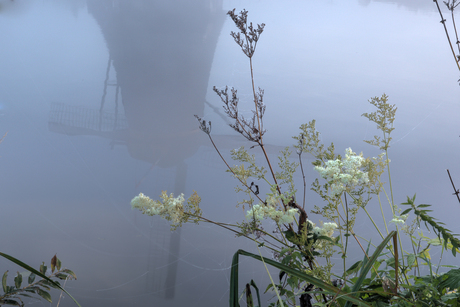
(326, 289)
(12, 294)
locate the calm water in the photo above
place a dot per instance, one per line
(98, 99)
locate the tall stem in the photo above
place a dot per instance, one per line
(260, 141)
(228, 166)
(443, 21)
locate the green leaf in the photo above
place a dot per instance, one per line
(70, 273)
(406, 211)
(62, 276)
(31, 278)
(369, 265)
(44, 294)
(270, 285)
(5, 275)
(291, 236)
(257, 291)
(234, 281)
(355, 267)
(18, 280)
(26, 295)
(43, 268)
(47, 285)
(410, 260)
(10, 302)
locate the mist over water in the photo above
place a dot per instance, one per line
(98, 99)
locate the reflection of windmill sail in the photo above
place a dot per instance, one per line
(78, 120)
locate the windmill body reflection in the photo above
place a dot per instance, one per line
(162, 54)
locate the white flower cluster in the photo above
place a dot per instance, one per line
(327, 230)
(344, 174)
(272, 210)
(399, 219)
(260, 212)
(315, 232)
(170, 208)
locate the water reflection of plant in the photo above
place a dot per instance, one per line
(302, 249)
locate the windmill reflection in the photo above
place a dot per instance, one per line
(162, 52)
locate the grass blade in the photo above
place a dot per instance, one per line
(366, 268)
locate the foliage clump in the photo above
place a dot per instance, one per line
(26, 284)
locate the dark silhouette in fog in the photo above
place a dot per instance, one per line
(162, 52)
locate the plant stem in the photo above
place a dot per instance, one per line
(443, 21)
(228, 166)
(224, 225)
(456, 192)
(303, 178)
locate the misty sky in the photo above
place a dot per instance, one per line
(70, 194)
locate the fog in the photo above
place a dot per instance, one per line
(98, 99)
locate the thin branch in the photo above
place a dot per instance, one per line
(456, 191)
(443, 21)
(299, 152)
(207, 129)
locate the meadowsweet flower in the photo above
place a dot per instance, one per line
(344, 175)
(399, 220)
(314, 232)
(326, 230)
(262, 211)
(170, 208)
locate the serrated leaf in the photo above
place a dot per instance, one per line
(410, 260)
(5, 276)
(53, 263)
(452, 280)
(31, 278)
(58, 264)
(44, 295)
(18, 280)
(423, 206)
(406, 211)
(270, 285)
